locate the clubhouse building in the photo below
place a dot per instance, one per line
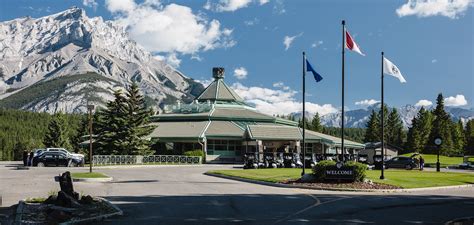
(225, 128)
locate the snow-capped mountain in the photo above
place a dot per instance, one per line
(358, 118)
(66, 60)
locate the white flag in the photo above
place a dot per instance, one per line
(390, 69)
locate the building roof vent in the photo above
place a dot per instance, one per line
(218, 72)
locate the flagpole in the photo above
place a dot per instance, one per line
(342, 114)
(304, 103)
(383, 128)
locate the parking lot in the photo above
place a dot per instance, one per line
(183, 195)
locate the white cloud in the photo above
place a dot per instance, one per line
(90, 3)
(205, 82)
(426, 8)
(120, 6)
(170, 59)
(434, 61)
(458, 100)
(173, 60)
(424, 103)
(279, 7)
(240, 73)
(172, 28)
(367, 102)
(231, 5)
(252, 22)
(288, 40)
(227, 5)
(281, 85)
(272, 101)
(316, 44)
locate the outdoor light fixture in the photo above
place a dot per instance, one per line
(438, 141)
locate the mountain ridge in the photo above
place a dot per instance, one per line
(69, 43)
(358, 118)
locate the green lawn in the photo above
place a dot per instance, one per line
(400, 178)
(89, 175)
(444, 160)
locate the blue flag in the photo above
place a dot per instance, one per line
(316, 75)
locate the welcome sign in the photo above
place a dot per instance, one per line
(340, 172)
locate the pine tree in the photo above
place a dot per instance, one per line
(441, 128)
(371, 133)
(57, 134)
(138, 117)
(469, 137)
(316, 123)
(458, 137)
(111, 124)
(419, 132)
(395, 133)
(379, 122)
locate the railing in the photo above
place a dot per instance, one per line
(140, 159)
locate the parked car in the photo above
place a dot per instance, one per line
(55, 158)
(77, 156)
(400, 162)
(38, 151)
(468, 162)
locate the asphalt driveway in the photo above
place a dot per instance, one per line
(184, 195)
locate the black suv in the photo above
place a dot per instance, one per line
(400, 162)
(54, 159)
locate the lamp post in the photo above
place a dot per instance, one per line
(437, 142)
(90, 108)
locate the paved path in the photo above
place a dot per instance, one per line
(183, 195)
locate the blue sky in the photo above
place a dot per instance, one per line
(432, 45)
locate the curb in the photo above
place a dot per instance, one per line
(336, 189)
(98, 218)
(18, 212)
(92, 180)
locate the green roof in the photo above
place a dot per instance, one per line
(219, 91)
(313, 136)
(223, 129)
(273, 132)
(179, 130)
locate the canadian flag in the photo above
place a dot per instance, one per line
(351, 45)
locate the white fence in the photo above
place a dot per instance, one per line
(141, 159)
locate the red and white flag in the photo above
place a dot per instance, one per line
(351, 45)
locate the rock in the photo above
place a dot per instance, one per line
(66, 200)
(87, 200)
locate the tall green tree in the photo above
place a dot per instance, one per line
(395, 133)
(419, 132)
(469, 138)
(441, 128)
(372, 131)
(138, 122)
(57, 133)
(316, 123)
(458, 137)
(111, 124)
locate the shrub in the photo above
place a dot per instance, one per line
(197, 152)
(359, 170)
(320, 168)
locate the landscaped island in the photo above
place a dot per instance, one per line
(398, 178)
